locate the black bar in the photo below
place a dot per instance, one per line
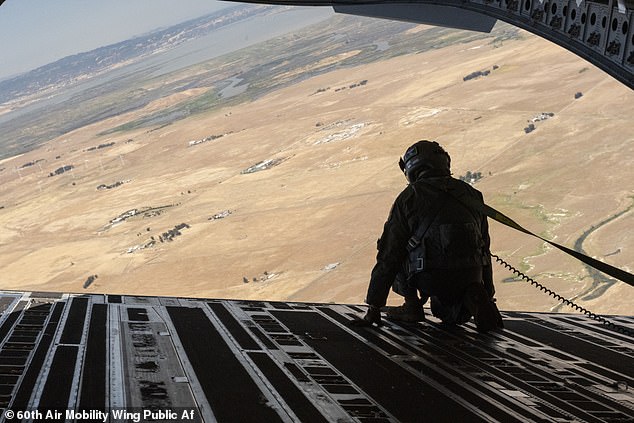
(620, 363)
(74, 326)
(93, 387)
(369, 335)
(16, 369)
(296, 400)
(30, 338)
(296, 372)
(280, 306)
(21, 399)
(5, 400)
(268, 344)
(8, 324)
(8, 380)
(402, 394)
(6, 390)
(237, 331)
(603, 329)
(503, 365)
(232, 394)
(58, 384)
(57, 312)
(138, 314)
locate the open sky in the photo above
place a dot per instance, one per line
(36, 32)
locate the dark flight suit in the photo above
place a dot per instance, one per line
(445, 281)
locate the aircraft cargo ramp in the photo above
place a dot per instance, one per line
(121, 358)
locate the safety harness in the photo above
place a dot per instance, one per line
(489, 211)
(473, 204)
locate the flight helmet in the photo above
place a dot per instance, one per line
(425, 158)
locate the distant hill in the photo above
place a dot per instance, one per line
(64, 99)
(69, 69)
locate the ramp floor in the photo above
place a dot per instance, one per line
(179, 359)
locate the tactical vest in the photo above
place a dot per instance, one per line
(451, 240)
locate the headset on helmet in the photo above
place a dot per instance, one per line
(423, 157)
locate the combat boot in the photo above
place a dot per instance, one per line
(410, 311)
(486, 314)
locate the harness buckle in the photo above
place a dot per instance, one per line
(420, 264)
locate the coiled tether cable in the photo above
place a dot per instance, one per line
(563, 300)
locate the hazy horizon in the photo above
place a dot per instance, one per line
(68, 27)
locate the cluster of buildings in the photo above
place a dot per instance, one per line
(173, 233)
(32, 163)
(263, 165)
(262, 278)
(471, 177)
(123, 216)
(220, 215)
(110, 186)
(61, 170)
(206, 139)
(100, 146)
(166, 236)
(478, 74)
(342, 135)
(351, 86)
(540, 117)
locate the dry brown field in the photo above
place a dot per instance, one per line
(306, 229)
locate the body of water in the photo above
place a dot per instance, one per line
(224, 40)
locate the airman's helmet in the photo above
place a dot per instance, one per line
(425, 157)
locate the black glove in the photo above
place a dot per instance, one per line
(373, 315)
